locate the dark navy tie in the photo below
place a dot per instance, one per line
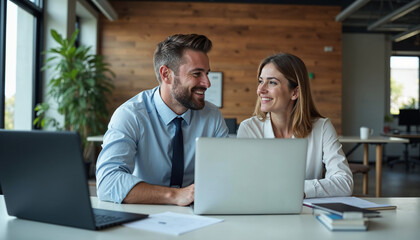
(177, 155)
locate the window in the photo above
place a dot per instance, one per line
(20, 43)
(404, 83)
(19, 68)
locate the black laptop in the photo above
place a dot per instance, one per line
(43, 178)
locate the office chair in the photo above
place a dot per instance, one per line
(232, 125)
(364, 169)
(361, 167)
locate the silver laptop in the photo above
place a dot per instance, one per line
(249, 176)
(43, 178)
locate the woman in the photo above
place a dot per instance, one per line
(285, 109)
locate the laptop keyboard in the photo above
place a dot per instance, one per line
(104, 219)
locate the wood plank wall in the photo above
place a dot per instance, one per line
(242, 35)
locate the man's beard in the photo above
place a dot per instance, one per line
(184, 96)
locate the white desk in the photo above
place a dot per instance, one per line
(379, 142)
(402, 223)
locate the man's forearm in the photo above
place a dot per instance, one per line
(153, 194)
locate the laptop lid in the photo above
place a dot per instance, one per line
(43, 178)
(249, 176)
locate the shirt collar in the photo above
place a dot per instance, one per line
(165, 112)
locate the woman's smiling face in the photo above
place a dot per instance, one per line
(273, 91)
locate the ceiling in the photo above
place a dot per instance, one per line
(398, 18)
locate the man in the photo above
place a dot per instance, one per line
(148, 133)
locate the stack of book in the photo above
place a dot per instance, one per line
(335, 222)
(343, 217)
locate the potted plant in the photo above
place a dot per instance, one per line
(388, 119)
(79, 85)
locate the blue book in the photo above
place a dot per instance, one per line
(336, 222)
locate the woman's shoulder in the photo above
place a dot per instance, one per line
(252, 121)
(320, 125)
(321, 121)
(251, 128)
(323, 126)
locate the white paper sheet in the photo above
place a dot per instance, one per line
(172, 223)
(354, 201)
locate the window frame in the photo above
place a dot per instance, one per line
(36, 10)
(3, 17)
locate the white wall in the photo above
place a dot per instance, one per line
(365, 83)
(366, 74)
(88, 34)
(58, 15)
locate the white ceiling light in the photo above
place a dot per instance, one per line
(106, 9)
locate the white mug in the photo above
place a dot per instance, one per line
(365, 132)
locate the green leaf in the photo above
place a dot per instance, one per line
(73, 37)
(73, 73)
(50, 59)
(57, 37)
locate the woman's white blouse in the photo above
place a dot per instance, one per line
(323, 148)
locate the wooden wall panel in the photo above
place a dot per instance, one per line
(242, 35)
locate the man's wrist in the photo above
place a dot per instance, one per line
(170, 195)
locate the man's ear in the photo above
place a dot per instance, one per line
(165, 74)
(296, 93)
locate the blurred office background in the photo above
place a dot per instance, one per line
(362, 56)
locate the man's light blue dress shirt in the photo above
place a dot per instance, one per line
(138, 144)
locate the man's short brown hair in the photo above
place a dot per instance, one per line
(170, 51)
